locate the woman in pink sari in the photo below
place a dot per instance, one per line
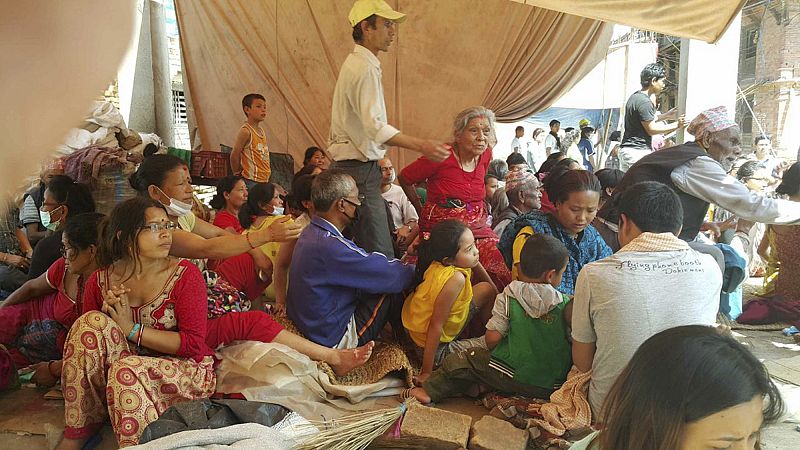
(456, 187)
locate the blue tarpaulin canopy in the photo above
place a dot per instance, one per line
(570, 117)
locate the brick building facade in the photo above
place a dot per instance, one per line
(769, 74)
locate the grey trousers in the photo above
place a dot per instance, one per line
(371, 231)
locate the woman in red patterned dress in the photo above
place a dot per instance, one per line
(35, 318)
(456, 187)
(144, 341)
(787, 241)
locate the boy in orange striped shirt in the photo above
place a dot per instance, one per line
(250, 155)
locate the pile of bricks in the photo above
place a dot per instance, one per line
(431, 428)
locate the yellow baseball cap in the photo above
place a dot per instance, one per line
(365, 8)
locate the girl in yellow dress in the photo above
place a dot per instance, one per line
(446, 298)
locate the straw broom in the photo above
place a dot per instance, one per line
(356, 431)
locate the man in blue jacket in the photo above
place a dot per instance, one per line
(339, 295)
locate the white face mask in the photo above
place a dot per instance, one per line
(392, 178)
(177, 208)
(44, 217)
(277, 211)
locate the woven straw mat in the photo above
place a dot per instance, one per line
(743, 326)
(386, 358)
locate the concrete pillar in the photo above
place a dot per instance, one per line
(141, 115)
(162, 83)
(145, 84)
(708, 75)
(127, 69)
(191, 120)
(788, 114)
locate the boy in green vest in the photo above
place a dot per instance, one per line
(527, 335)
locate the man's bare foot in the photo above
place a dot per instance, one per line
(71, 444)
(347, 360)
(418, 393)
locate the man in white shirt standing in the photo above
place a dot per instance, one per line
(404, 220)
(516, 145)
(360, 132)
(552, 143)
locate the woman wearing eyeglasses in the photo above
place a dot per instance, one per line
(166, 179)
(34, 320)
(144, 342)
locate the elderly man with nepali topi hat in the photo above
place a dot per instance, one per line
(697, 172)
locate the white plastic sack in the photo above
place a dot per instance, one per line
(106, 115)
(78, 138)
(278, 374)
(109, 140)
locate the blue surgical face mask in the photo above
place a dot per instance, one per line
(46, 216)
(277, 211)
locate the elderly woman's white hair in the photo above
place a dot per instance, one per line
(463, 118)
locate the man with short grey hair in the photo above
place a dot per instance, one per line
(339, 295)
(326, 190)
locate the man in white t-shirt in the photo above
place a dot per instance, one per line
(516, 144)
(654, 282)
(764, 154)
(552, 143)
(403, 217)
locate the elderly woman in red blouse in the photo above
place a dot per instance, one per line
(456, 187)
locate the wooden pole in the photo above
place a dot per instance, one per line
(683, 83)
